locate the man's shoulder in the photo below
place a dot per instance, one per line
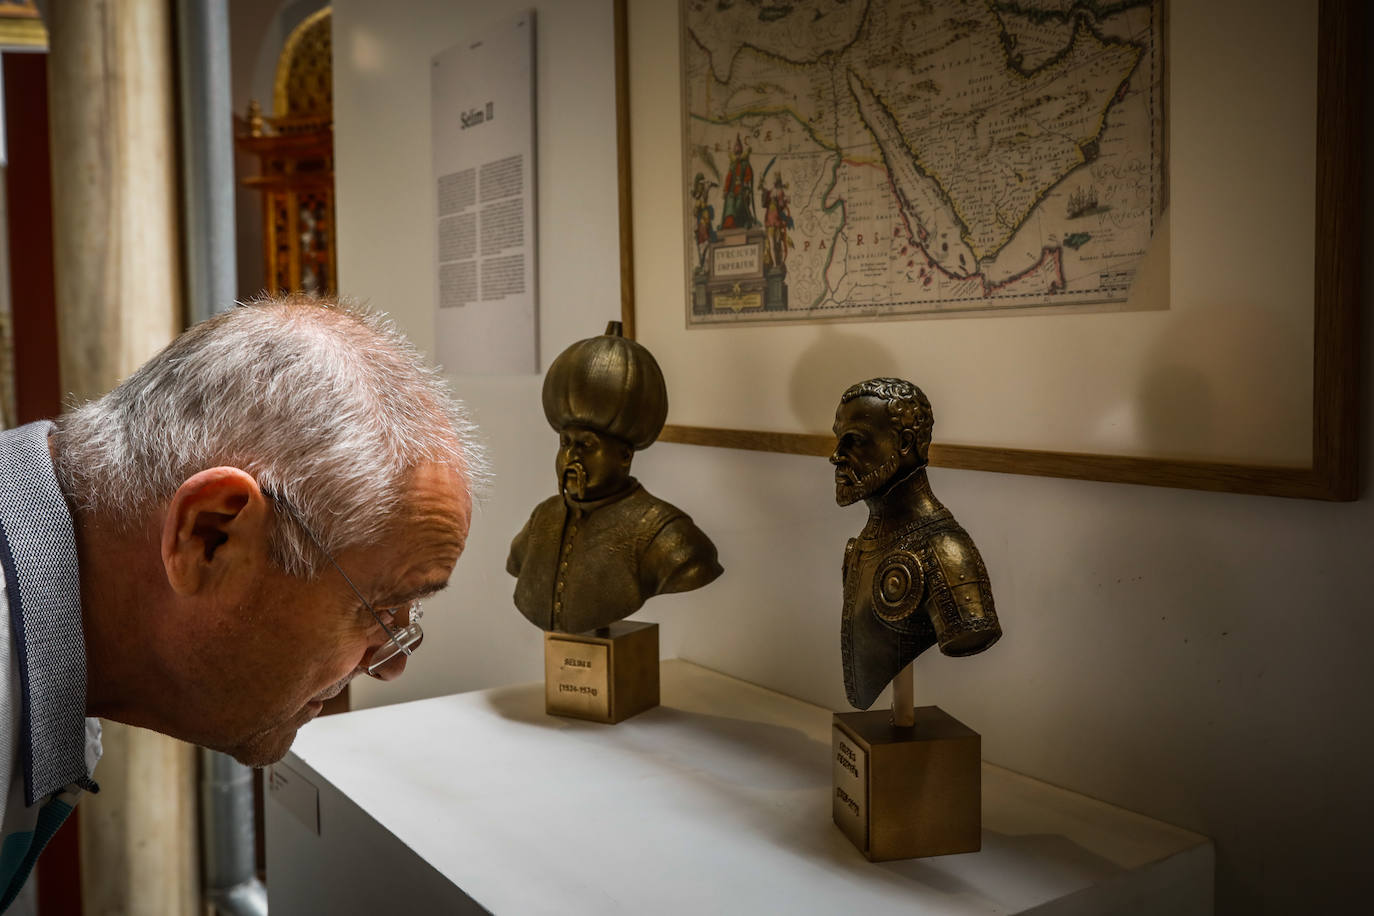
(11, 727)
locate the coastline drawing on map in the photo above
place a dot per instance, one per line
(879, 158)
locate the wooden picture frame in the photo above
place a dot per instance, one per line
(1332, 474)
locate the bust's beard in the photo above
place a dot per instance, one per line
(573, 483)
(868, 485)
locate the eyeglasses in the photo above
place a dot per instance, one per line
(404, 639)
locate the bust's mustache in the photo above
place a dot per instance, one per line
(573, 481)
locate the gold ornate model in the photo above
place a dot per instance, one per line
(295, 152)
(304, 85)
(912, 578)
(603, 546)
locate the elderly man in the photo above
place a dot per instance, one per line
(913, 577)
(219, 545)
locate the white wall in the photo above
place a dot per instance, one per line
(1198, 657)
(475, 637)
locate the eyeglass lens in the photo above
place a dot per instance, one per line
(402, 642)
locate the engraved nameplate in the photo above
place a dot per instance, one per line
(577, 679)
(850, 765)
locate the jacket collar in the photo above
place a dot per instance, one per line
(38, 554)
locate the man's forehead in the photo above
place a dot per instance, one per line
(435, 508)
(426, 536)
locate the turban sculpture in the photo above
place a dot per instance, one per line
(610, 384)
(594, 553)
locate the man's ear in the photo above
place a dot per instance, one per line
(216, 524)
(906, 441)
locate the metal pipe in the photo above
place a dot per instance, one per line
(207, 157)
(226, 810)
(207, 169)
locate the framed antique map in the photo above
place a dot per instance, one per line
(910, 157)
(1221, 355)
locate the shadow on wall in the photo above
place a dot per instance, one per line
(821, 374)
(1218, 381)
(1199, 398)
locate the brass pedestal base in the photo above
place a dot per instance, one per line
(903, 793)
(605, 675)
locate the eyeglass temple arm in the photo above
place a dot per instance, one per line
(332, 562)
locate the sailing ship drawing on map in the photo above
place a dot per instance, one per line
(879, 158)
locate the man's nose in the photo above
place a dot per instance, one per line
(391, 670)
(395, 666)
(835, 457)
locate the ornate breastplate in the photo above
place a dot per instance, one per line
(905, 591)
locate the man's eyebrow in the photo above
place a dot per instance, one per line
(397, 596)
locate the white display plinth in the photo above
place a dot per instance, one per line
(716, 801)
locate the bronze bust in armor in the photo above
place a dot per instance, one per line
(913, 577)
(598, 550)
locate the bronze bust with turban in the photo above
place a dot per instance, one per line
(913, 577)
(604, 545)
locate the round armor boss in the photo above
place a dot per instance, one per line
(898, 584)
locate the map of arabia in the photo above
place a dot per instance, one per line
(872, 158)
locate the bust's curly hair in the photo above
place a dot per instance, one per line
(907, 407)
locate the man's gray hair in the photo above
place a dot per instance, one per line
(325, 404)
(907, 406)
